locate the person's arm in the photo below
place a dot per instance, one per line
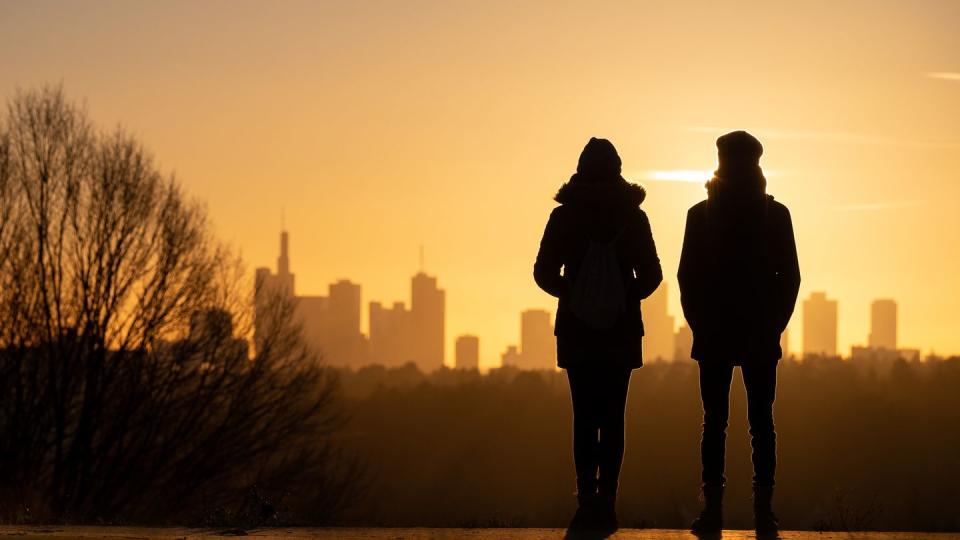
(647, 269)
(788, 274)
(689, 274)
(546, 269)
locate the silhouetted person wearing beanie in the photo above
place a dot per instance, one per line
(739, 279)
(598, 257)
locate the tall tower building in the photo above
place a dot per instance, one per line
(538, 346)
(657, 326)
(330, 324)
(269, 286)
(427, 318)
(312, 312)
(268, 283)
(682, 343)
(344, 343)
(819, 325)
(391, 334)
(883, 325)
(467, 352)
(262, 292)
(284, 277)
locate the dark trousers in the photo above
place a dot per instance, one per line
(599, 399)
(760, 380)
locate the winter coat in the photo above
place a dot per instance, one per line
(598, 211)
(739, 279)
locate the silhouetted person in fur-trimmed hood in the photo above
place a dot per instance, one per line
(598, 257)
(739, 279)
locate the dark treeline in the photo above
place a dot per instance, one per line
(860, 448)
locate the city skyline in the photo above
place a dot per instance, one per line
(332, 324)
(389, 335)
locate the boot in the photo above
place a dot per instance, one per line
(586, 516)
(710, 520)
(764, 520)
(607, 510)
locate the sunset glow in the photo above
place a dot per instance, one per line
(379, 129)
(696, 176)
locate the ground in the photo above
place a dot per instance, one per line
(146, 533)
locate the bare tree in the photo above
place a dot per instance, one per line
(127, 389)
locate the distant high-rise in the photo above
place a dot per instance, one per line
(269, 288)
(657, 326)
(883, 325)
(538, 346)
(312, 313)
(427, 309)
(391, 335)
(268, 283)
(212, 330)
(683, 343)
(211, 325)
(331, 324)
(399, 335)
(510, 357)
(819, 325)
(344, 342)
(283, 262)
(467, 352)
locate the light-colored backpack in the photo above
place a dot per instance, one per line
(598, 296)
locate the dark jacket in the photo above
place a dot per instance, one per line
(598, 211)
(739, 279)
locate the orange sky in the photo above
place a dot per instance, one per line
(380, 126)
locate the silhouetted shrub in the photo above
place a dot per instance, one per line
(128, 389)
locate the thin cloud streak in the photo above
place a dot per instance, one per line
(692, 176)
(826, 136)
(877, 206)
(944, 75)
(697, 176)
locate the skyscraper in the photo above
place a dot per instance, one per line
(268, 283)
(269, 288)
(344, 342)
(538, 346)
(467, 352)
(399, 335)
(427, 308)
(683, 343)
(657, 326)
(284, 277)
(211, 339)
(883, 325)
(391, 335)
(312, 313)
(510, 357)
(819, 325)
(331, 324)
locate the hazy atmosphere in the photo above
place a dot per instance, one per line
(363, 269)
(372, 128)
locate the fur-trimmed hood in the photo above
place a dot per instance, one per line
(619, 192)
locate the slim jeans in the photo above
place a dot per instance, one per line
(599, 398)
(760, 380)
